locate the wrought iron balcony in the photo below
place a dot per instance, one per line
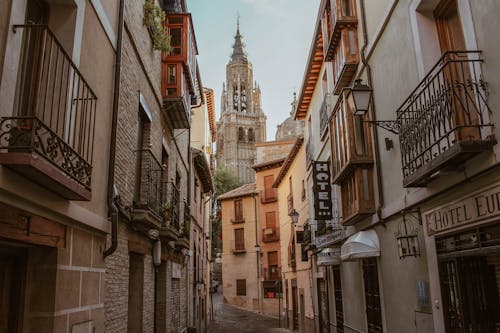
(270, 235)
(324, 114)
(271, 273)
(51, 138)
(446, 119)
(150, 197)
(309, 151)
(172, 206)
(339, 14)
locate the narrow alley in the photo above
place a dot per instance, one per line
(229, 319)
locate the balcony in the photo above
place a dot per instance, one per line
(268, 195)
(172, 206)
(51, 138)
(351, 141)
(179, 70)
(270, 235)
(345, 59)
(339, 14)
(238, 248)
(150, 197)
(357, 195)
(309, 151)
(289, 200)
(446, 119)
(324, 113)
(271, 273)
(238, 220)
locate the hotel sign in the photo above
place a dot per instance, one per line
(331, 238)
(322, 191)
(483, 205)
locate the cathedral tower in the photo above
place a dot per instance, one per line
(242, 121)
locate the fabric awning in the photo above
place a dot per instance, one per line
(363, 244)
(328, 257)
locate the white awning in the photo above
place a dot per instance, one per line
(363, 244)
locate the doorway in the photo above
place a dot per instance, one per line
(295, 307)
(324, 323)
(12, 277)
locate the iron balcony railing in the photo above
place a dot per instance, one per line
(309, 151)
(325, 113)
(448, 108)
(151, 189)
(271, 273)
(55, 108)
(186, 226)
(289, 200)
(172, 205)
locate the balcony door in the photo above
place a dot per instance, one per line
(451, 38)
(37, 12)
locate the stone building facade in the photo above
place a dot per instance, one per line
(53, 212)
(148, 275)
(242, 121)
(290, 128)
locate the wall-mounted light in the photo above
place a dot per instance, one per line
(294, 215)
(361, 95)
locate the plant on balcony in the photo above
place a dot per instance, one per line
(167, 210)
(154, 17)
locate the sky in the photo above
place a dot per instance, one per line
(277, 36)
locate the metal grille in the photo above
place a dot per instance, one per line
(448, 106)
(55, 108)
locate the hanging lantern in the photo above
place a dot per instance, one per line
(407, 234)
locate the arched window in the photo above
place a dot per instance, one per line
(235, 97)
(241, 134)
(251, 135)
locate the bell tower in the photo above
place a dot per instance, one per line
(242, 121)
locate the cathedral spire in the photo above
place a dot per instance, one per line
(238, 51)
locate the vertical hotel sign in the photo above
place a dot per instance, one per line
(322, 191)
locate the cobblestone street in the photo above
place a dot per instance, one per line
(228, 319)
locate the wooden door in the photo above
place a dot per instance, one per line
(324, 323)
(451, 38)
(295, 309)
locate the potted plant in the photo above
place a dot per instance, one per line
(154, 17)
(168, 210)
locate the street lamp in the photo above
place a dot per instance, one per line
(294, 215)
(361, 96)
(257, 248)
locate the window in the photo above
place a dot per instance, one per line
(238, 210)
(241, 287)
(372, 296)
(251, 135)
(269, 191)
(239, 239)
(303, 190)
(241, 134)
(271, 220)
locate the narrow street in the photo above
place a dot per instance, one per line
(228, 319)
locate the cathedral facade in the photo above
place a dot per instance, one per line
(242, 121)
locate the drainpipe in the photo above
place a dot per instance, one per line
(257, 253)
(373, 113)
(112, 208)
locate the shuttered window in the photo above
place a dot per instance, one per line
(241, 287)
(271, 220)
(239, 239)
(238, 210)
(269, 191)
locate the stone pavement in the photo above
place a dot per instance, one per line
(229, 319)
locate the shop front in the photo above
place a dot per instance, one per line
(466, 236)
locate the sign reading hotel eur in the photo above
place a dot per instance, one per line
(483, 205)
